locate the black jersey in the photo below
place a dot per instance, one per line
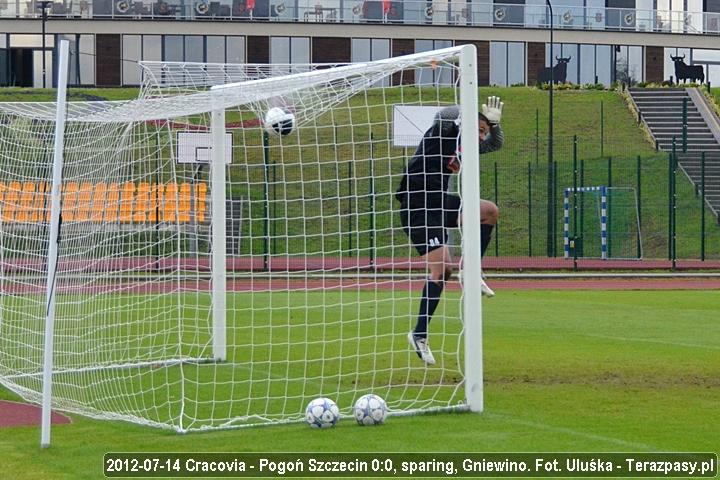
(427, 176)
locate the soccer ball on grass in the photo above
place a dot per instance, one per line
(322, 413)
(370, 409)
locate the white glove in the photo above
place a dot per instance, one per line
(493, 109)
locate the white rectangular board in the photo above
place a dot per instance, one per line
(194, 147)
(410, 122)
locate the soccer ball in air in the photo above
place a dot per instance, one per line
(279, 121)
(370, 409)
(322, 413)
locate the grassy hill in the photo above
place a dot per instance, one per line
(352, 175)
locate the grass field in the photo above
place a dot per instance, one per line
(355, 188)
(564, 371)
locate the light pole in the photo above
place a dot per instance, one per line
(551, 170)
(44, 5)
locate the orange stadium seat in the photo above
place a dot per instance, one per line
(97, 209)
(69, 201)
(170, 206)
(25, 202)
(12, 198)
(112, 203)
(82, 214)
(184, 203)
(200, 201)
(29, 202)
(126, 202)
(142, 203)
(40, 199)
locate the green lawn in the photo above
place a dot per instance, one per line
(346, 167)
(564, 371)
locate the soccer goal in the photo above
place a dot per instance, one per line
(601, 222)
(122, 297)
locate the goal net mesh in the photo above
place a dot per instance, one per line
(322, 283)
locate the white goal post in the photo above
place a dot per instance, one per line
(158, 321)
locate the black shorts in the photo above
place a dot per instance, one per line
(427, 227)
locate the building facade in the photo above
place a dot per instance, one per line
(600, 41)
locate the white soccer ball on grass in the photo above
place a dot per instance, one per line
(322, 413)
(370, 409)
(279, 121)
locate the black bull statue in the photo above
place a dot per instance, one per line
(687, 72)
(558, 72)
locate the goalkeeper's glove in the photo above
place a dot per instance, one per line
(493, 110)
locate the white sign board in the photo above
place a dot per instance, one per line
(195, 147)
(410, 122)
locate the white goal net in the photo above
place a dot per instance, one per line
(213, 275)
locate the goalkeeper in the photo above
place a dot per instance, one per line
(428, 210)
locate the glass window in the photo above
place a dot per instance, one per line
(569, 13)
(712, 6)
(152, 48)
(38, 76)
(87, 60)
(423, 76)
(31, 41)
(194, 48)
(636, 64)
(215, 49)
(173, 48)
(645, 14)
(235, 50)
(131, 54)
(73, 60)
(587, 63)
(279, 49)
(713, 74)
(603, 64)
(516, 63)
(570, 51)
(299, 50)
(360, 50)
(4, 61)
(498, 63)
(536, 13)
(379, 48)
(706, 55)
(428, 76)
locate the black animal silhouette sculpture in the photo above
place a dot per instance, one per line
(684, 71)
(558, 72)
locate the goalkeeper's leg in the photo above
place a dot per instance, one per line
(439, 262)
(489, 214)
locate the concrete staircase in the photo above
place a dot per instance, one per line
(662, 112)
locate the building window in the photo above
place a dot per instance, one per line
(131, 55)
(87, 60)
(152, 48)
(587, 64)
(194, 49)
(235, 50)
(216, 49)
(429, 76)
(174, 47)
(73, 66)
(4, 61)
(367, 49)
(507, 63)
(290, 50)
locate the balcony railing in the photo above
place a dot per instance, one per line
(482, 14)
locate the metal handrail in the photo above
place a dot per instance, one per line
(408, 12)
